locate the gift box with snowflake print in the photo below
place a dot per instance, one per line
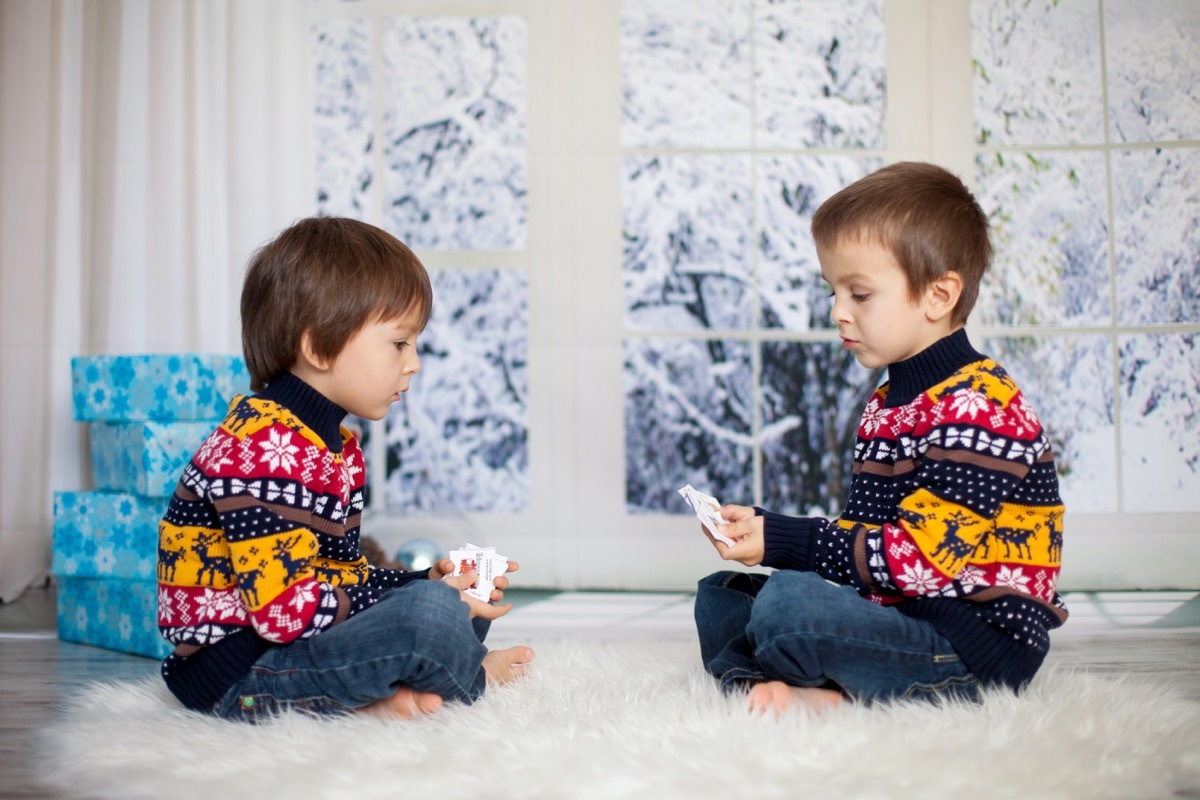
(115, 614)
(174, 387)
(144, 458)
(106, 535)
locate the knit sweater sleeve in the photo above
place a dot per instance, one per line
(811, 544)
(385, 578)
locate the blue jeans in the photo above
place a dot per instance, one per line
(419, 635)
(798, 628)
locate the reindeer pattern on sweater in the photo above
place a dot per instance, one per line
(263, 531)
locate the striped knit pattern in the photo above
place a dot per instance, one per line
(263, 529)
(954, 512)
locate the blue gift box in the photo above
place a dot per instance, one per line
(144, 458)
(177, 387)
(111, 613)
(106, 535)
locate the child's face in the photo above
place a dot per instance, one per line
(875, 316)
(374, 368)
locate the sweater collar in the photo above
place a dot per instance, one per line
(310, 406)
(931, 366)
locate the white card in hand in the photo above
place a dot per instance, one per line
(486, 562)
(707, 510)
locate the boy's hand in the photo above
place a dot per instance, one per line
(443, 570)
(746, 529)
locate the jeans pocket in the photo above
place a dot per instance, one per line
(956, 687)
(246, 707)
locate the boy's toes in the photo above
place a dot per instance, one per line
(428, 703)
(506, 665)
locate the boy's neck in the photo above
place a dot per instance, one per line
(931, 366)
(310, 406)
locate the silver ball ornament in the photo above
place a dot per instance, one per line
(419, 554)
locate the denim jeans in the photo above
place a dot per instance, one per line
(798, 628)
(419, 635)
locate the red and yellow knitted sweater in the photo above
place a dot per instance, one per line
(260, 542)
(953, 515)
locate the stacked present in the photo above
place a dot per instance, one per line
(147, 415)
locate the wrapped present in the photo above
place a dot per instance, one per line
(106, 535)
(179, 387)
(144, 458)
(111, 613)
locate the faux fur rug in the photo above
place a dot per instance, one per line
(626, 720)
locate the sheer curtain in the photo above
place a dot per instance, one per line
(146, 148)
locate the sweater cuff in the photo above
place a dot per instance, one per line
(785, 540)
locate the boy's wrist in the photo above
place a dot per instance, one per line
(785, 540)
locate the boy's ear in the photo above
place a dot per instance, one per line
(942, 296)
(309, 356)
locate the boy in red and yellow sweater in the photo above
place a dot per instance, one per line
(262, 587)
(938, 579)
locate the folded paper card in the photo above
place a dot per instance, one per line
(129, 388)
(144, 458)
(106, 535)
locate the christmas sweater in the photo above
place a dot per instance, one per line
(259, 545)
(953, 514)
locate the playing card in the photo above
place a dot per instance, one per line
(486, 562)
(707, 510)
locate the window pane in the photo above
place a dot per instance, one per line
(685, 73)
(454, 113)
(687, 228)
(688, 419)
(1157, 233)
(1037, 71)
(1050, 233)
(458, 440)
(1160, 422)
(341, 53)
(1153, 53)
(819, 74)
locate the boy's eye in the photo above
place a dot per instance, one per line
(860, 298)
(400, 345)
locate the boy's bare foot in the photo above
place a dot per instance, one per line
(406, 703)
(778, 697)
(507, 665)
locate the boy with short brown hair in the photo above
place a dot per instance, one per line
(938, 579)
(262, 587)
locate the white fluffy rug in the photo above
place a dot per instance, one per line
(599, 720)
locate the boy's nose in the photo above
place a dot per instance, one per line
(836, 312)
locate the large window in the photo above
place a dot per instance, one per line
(614, 200)
(738, 118)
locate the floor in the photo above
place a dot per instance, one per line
(1153, 636)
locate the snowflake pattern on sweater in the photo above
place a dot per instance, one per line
(953, 513)
(263, 531)
(976, 502)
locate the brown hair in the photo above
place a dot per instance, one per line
(924, 215)
(329, 276)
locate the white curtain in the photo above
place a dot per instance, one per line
(146, 148)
